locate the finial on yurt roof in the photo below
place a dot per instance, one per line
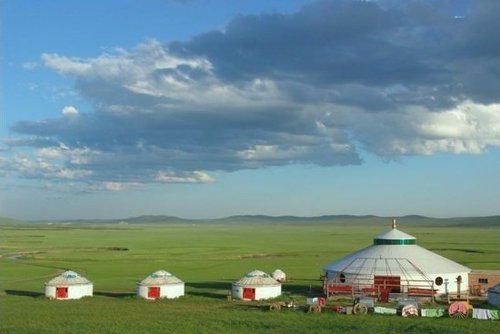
(393, 223)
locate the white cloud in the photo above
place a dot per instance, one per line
(65, 65)
(187, 177)
(308, 88)
(190, 115)
(50, 153)
(69, 111)
(468, 120)
(82, 156)
(72, 174)
(152, 71)
(30, 65)
(467, 128)
(272, 152)
(75, 156)
(128, 68)
(41, 168)
(114, 186)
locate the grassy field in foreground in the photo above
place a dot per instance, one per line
(208, 258)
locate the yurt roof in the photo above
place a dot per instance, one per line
(68, 278)
(278, 272)
(160, 277)
(257, 278)
(394, 237)
(494, 289)
(395, 252)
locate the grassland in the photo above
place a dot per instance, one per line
(208, 257)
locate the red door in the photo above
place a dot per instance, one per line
(388, 282)
(61, 293)
(248, 293)
(154, 292)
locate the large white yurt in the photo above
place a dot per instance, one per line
(160, 284)
(397, 263)
(494, 295)
(68, 285)
(256, 285)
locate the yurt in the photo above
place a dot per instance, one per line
(256, 285)
(68, 285)
(494, 295)
(279, 275)
(160, 284)
(395, 263)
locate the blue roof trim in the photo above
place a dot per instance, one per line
(394, 241)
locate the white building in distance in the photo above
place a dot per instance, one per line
(279, 275)
(160, 284)
(68, 285)
(256, 285)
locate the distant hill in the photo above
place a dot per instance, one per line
(348, 220)
(351, 220)
(152, 219)
(9, 221)
(147, 219)
(328, 219)
(491, 221)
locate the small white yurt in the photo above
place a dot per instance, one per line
(256, 285)
(494, 295)
(68, 285)
(160, 284)
(396, 260)
(279, 275)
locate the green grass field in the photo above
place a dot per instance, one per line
(208, 257)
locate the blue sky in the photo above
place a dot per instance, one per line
(205, 109)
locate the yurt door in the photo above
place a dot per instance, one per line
(388, 282)
(248, 293)
(154, 292)
(61, 292)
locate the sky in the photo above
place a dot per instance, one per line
(206, 109)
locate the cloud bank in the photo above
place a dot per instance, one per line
(314, 87)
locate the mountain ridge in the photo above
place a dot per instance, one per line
(341, 219)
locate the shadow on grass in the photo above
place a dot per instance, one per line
(262, 306)
(302, 290)
(220, 289)
(215, 290)
(219, 285)
(114, 294)
(22, 293)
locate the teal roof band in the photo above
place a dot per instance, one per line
(394, 241)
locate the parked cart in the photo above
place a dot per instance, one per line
(362, 305)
